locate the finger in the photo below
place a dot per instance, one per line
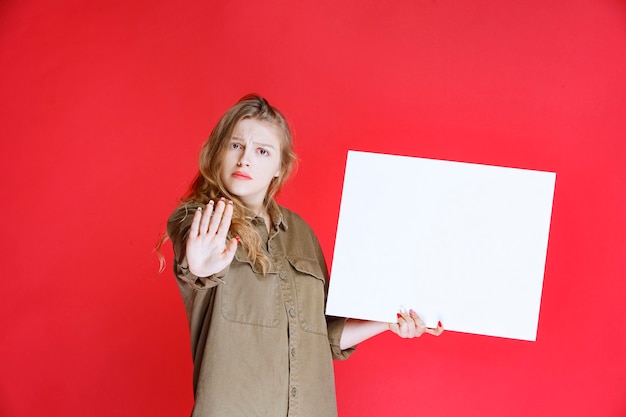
(401, 326)
(420, 326)
(412, 327)
(208, 210)
(224, 226)
(195, 223)
(407, 325)
(217, 217)
(436, 331)
(231, 248)
(418, 320)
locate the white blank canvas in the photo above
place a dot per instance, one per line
(457, 242)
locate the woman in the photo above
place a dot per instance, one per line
(254, 281)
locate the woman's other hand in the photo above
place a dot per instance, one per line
(207, 250)
(410, 325)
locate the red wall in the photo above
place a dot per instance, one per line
(106, 103)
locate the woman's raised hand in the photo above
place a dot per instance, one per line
(207, 250)
(410, 325)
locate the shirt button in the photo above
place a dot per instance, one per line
(292, 312)
(294, 391)
(282, 275)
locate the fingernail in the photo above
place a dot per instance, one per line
(399, 315)
(230, 202)
(239, 240)
(211, 202)
(222, 199)
(439, 324)
(411, 312)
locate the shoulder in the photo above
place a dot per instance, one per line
(303, 245)
(293, 219)
(297, 228)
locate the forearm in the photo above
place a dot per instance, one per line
(357, 331)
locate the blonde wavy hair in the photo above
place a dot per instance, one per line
(207, 184)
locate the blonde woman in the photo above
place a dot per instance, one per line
(254, 281)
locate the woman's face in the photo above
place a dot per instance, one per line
(250, 161)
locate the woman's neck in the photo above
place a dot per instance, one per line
(262, 212)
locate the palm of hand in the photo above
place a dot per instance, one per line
(207, 250)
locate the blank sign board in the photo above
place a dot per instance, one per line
(460, 243)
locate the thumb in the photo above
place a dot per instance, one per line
(231, 248)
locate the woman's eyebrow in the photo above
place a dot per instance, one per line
(265, 145)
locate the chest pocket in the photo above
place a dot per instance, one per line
(310, 294)
(248, 297)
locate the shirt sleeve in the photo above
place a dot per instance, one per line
(334, 325)
(335, 329)
(178, 227)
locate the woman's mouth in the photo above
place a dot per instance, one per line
(240, 175)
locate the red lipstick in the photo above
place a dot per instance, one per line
(240, 175)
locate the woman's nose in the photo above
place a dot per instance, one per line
(244, 159)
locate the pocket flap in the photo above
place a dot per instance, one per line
(308, 266)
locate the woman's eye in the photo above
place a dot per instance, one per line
(235, 146)
(263, 152)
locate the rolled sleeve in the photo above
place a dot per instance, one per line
(181, 269)
(335, 329)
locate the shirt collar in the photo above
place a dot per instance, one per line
(273, 209)
(277, 216)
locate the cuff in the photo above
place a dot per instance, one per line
(199, 283)
(335, 329)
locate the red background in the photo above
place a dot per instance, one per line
(105, 105)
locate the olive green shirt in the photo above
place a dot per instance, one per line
(261, 345)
